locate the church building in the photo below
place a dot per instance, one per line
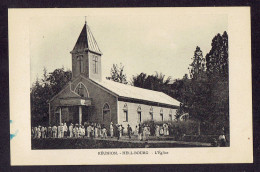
(89, 98)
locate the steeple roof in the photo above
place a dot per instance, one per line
(86, 40)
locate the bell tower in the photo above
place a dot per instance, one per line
(86, 56)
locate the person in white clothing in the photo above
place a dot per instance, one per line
(71, 130)
(42, 132)
(96, 131)
(39, 132)
(164, 129)
(35, 132)
(136, 131)
(104, 132)
(80, 131)
(83, 131)
(157, 131)
(120, 130)
(54, 131)
(144, 132)
(89, 129)
(61, 130)
(111, 129)
(76, 131)
(65, 128)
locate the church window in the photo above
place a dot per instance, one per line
(106, 110)
(125, 112)
(80, 62)
(95, 64)
(81, 90)
(170, 115)
(139, 112)
(125, 116)
(151, 113)
(161, 114)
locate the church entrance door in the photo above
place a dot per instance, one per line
(85, 114)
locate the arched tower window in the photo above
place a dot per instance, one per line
(80, 62)
(81, 90)
(125, 111)
(139, 112)
(161, 114)
(106, 112)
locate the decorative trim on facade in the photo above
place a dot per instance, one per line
(151, 109)
(125, 107)
(77, 87)
(139, 109)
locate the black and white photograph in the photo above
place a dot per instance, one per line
(135, 81)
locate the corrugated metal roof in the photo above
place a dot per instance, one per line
(129, 91)
(86, 40)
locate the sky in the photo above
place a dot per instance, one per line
(142, 40)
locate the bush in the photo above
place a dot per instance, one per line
(176, 128)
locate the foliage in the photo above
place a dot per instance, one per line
(117, 74)
(58, 79)
(178, 128)
(42, 91)
(197, 89)
(205, 93)
(180, 111)
(217, 58)
(217, 71)
(155, 82)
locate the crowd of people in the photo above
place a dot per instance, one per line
(141, 132)
(71, 131)
(96, 130)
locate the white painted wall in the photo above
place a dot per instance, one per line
(133, 115)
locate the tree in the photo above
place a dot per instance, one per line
(180, 111)
(139, 80)
(117, 74)
(58, 79)
(217, 58)
(197, 67)
(43, 90)
(194, 91)
(155, 82)
(217, 71)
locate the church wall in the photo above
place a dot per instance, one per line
(99, 98)
(76, 65)
(133, 118)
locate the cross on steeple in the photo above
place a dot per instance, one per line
(95, 59)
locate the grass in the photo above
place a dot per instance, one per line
(81, 143)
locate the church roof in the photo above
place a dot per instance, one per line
(86, 40)
(128, 91)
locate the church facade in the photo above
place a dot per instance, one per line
(89, 98)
